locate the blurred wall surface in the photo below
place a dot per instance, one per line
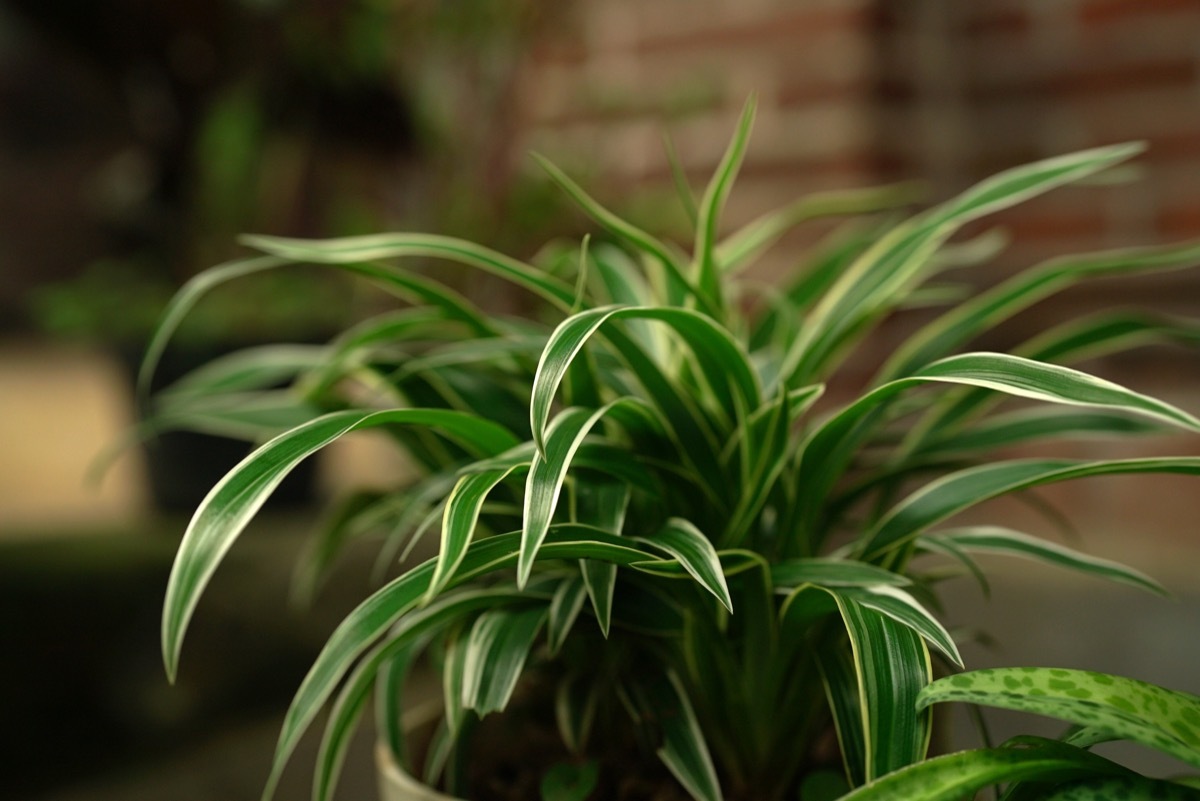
(855, 92)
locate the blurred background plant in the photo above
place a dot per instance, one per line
(309, 119)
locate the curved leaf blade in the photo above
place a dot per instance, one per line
(374, 247)
(695, 552)
(961, 490)
(495, 654)
(722, 360)
(999, 540)
(231, 504)
(1162, 719)
(956, 776)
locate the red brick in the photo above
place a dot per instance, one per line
(1001, 20)
(1101, 12)
(1173, 73)
(1179, 222)
(793, 27)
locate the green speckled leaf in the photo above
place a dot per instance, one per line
(954, 777)
(1122, 788)
(1166, 720)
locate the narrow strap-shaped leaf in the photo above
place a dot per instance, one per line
(1086, 338)
(458, 522)
(901, 607)
(343, 719)
(828, 451)
(372, 618)
(390, 660)
(1054, 383)
(575, 702)
(706, 269)
(998, 540)
(183, 302)
(496, 650)
(874, 281)
(453, 670)
(722, 360)
(763, 452)
(958, 491)
(623, 230)
(791, 573)
(1035, 425)
(375, 247)
(231, 504)
(954, 777)
(564, 609)
(840, 680)
(742, 246)
(1162, 719)
(979, 314)
(547, 473)
(600, 580)
(684, 750)
(256, 368)
(689, 430)
(695, 552)
(891, 666)
(603, 505)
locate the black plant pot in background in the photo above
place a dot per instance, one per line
(182, 466)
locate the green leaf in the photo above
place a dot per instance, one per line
(1162, 719)
(454, 668)
(565, 781)
(564, 609)
(603, 506)
(958, 491)
(722, 360)
(879, 278)
(744, 245)
(623, 230)
(1121, 788)
(683, 750)
(995, 539)
(496, 650)
(1035, 425)
(547, 473)
(232, 503)
(373, 247)
(706, 269)
(828, 572)
(981, 313)
(954, 777)
(901, 607)
(829, 450)
(891, 665)
(575, 703)
(183, 302)
(262, 367)
(458, 522)
(682, 540)
(372, 618)
(1047, 382)
(343, 717)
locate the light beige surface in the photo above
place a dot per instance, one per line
(61, 407)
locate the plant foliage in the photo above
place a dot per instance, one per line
(643, 497)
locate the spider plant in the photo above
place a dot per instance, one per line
(649, 514)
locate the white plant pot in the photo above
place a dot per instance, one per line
(396, 784)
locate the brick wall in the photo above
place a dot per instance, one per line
(853, 92)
